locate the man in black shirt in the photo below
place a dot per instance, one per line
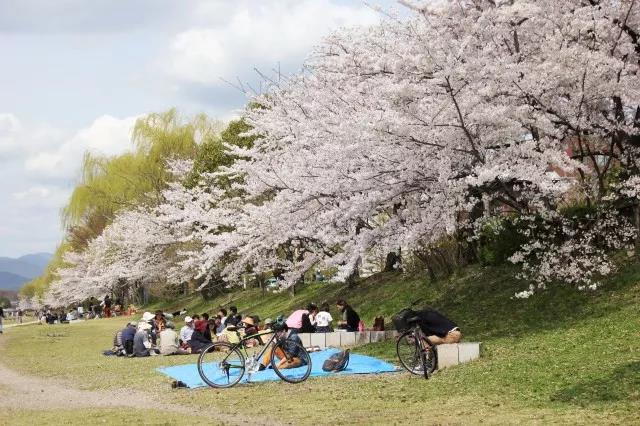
(438, 328)
(350, 318)
(1, 318)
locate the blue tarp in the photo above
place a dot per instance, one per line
(358, 364)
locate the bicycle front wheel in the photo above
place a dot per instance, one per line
(291, 361)
(221, 365)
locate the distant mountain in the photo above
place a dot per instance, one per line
(37, 259)
(15, 272)
(12, 282)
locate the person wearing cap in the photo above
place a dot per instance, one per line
(169, 344)
(128, 333)
(187, 330)
(141, 342)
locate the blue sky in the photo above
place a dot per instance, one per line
(76, 73)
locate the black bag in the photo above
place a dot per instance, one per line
(400, 319)
(337, 362)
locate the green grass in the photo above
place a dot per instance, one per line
(125, 416)
(559, 357)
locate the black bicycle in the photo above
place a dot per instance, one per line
(222, 364)
(416, 355)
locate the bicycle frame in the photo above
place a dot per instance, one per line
(243, 348)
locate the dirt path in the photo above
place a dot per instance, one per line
(21, 391)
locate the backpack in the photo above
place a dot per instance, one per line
(337, 362)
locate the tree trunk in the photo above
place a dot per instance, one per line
(636, 219)
(391, 261)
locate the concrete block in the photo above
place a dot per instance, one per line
(333, 339)
(319, 339)
(348, 338)
(377, 336)
(447, 355)
(306, 339)
(390, 334)
(468, 351)
(363, 337)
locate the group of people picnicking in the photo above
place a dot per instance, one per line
(91, 309)
(155, 334)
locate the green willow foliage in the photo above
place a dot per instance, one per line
(108, 185)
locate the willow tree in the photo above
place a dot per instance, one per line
(108, 185)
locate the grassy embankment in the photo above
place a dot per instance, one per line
(561, 356)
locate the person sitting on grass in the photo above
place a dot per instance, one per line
(186, 331)
(128, 334)
(350, 318)
(323, 320)
(198, 340)
(234, 318)
(299, 322)
(292, 350)
(118, 346)
(438, 328)
(207, 331)
(141, 343)
(157, 325)
(169, 343)
(222, 314)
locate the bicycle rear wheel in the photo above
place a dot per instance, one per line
(411, 356)
(221, 365)
(291, 361)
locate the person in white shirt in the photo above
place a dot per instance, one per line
(323, 320)
(187, 330)
(222, 314)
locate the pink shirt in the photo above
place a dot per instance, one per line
(295, 319)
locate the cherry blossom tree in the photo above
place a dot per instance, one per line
(400, 134)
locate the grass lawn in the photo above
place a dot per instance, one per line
(560, 357)
(127, 416)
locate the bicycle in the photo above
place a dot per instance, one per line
(415, 354)
(223, 364)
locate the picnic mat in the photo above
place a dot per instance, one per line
(358, 364)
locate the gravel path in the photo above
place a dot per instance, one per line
(21, 391)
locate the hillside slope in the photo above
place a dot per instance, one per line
(479, 299)
(561, 357)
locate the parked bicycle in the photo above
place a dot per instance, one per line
(414, 352)
(222, 364)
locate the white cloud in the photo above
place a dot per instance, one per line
(258, 35)
(10, 129)
(107, 135)
(37, 165)
(42, 196)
